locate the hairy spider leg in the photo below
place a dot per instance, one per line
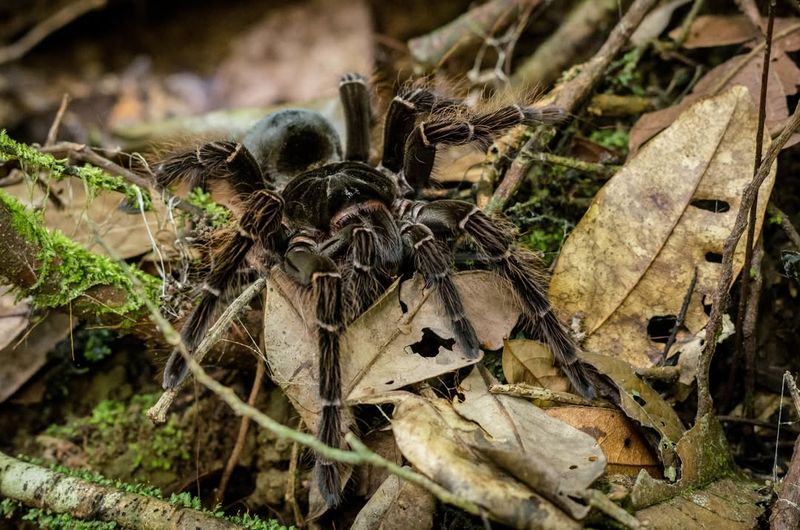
(482, 129)
(400, 121)
(354, 94)
(434, 260)
(228, 162)
(308, 268)
(260, 222)
(521, 269)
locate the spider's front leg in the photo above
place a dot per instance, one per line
(524, 273)
(354, 94)
(320, 273)
(259, 223)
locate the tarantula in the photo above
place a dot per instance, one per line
(343, 229)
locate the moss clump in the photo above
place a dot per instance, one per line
(76, 268)
(96, 179)
(217, 215)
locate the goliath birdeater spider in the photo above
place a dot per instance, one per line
(343, 229)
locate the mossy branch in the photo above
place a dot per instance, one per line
(43, 488)
(56, 271)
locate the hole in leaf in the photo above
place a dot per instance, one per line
(592, 459)
(573, 466)
(711, 205)
(430, 344)
(660, 327)
(626, 443)
(713, 257)
(639, 400)
(390, 382)
(403, 307)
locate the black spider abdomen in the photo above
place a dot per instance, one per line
(288, 142)
(317, 196)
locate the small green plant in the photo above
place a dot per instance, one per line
(616, 138)
(218, 215)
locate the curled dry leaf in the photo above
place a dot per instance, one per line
(630, 260)
(404, 338)
(531, 362)
(554, 459)
(440, 443)
(625, 448)
(642, 404)
(397, 505)
(744, 69)
(655, 22)
(689, 353)
(724, 30)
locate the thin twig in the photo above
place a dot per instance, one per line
(681, 314)
(545, 394)
(686, 25)
(84, 153)
(242, 436)
(786, 510)
(705, 402)
(600, 501)
(158, 412)
(749, 330)
(568, 96)
(744, 291)
(54, 22)
(291, 487)
(52, 133)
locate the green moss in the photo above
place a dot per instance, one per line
(217, 214)
(96, 179)
(611, 138)
(76, 268)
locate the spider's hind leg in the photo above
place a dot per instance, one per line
(354, 93)
(524, 273)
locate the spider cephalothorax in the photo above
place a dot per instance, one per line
(343, 229)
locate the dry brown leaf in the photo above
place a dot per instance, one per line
(727, 503)
(745, 69)
(531, 362)
(625, 448)
(642, 404)
(632, 256)
(124, 232)
(21, 359)
(557, 461)
(439, 442)
(13, 318)
(387, 347)
(724, 30)
(397, 505)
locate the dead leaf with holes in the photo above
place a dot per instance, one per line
(708, 31)
(554, 459)
(709, 493)
(404, 338)
(625, 448)
(642, 404)
(531, 362)
(501, 452)
(667, 212)
(744, 69)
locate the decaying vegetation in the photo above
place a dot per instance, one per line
(664, 205)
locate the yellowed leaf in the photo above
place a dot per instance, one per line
(619, 438)
(531, 362)
(631, 258)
